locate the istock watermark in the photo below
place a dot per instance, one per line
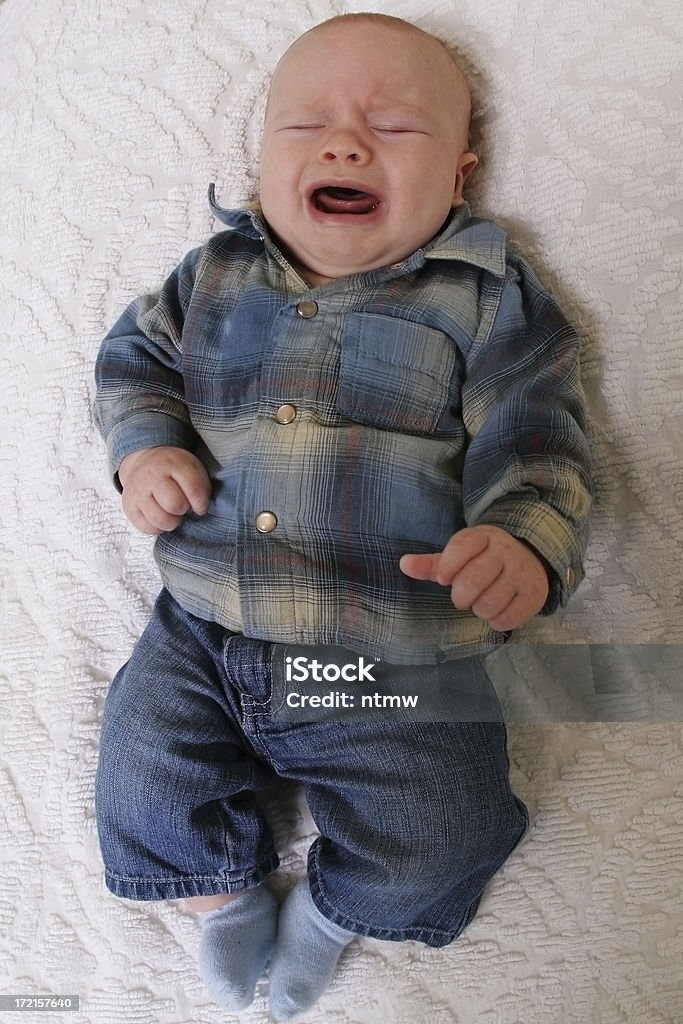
(324, 682)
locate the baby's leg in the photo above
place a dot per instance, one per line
(200, 904)
(237, 939)
(309, 946)
(415, 819)
(175, 810)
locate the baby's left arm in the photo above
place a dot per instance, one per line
(526, 482)
(488, 570)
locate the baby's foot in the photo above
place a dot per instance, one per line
(235, 945)
(306, 955)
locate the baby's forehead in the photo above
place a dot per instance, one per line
(424, 53)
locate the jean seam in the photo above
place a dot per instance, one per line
(248, 703)
(254, 711)
(265, 866)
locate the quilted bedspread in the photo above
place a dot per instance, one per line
(114, 117)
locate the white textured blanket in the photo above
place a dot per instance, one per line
(114, 117)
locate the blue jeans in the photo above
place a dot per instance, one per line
(414, 817)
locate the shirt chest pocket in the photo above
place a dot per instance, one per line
(398, 375)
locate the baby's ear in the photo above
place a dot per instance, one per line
(466, 164)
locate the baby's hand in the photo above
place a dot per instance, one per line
(161, 485)
(489, 571)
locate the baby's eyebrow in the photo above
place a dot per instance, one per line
(406, 117)
(300, 113)
(416, 116)
(384, 111)
(397, 108)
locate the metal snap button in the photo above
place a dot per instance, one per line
(307, 309)
(570, 577)
(285, 414)
(266, 522)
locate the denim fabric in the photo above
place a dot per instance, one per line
(414, 817)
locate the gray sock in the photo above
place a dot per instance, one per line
(236, 942)
(306, 954)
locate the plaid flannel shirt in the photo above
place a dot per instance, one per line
(345, 425)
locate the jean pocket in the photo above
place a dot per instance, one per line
(398, 375)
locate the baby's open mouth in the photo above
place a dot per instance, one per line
(332, 199)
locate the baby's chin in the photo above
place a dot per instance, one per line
(319, 270)
(319, 274)
(323, 257)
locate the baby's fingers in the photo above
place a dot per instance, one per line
(194, 484)
(420, 567)
(148, 516)
(520, 609)
(170, 497)
(443, 566)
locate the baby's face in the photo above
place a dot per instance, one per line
(364, 148)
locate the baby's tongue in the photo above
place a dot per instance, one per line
(344, 200)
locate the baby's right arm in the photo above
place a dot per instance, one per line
(161, 485)
(141, 411)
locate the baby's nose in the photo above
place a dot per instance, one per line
(345, 145)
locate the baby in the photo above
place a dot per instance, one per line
(353, 420)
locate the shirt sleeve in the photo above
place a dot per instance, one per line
(527, 466)
(140, 398)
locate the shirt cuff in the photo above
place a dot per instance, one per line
(542, 528)
(146, 430)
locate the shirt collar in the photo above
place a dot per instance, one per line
(463, 237)
(244, 222)
(471, 240)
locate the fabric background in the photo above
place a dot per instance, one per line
(114, 117)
